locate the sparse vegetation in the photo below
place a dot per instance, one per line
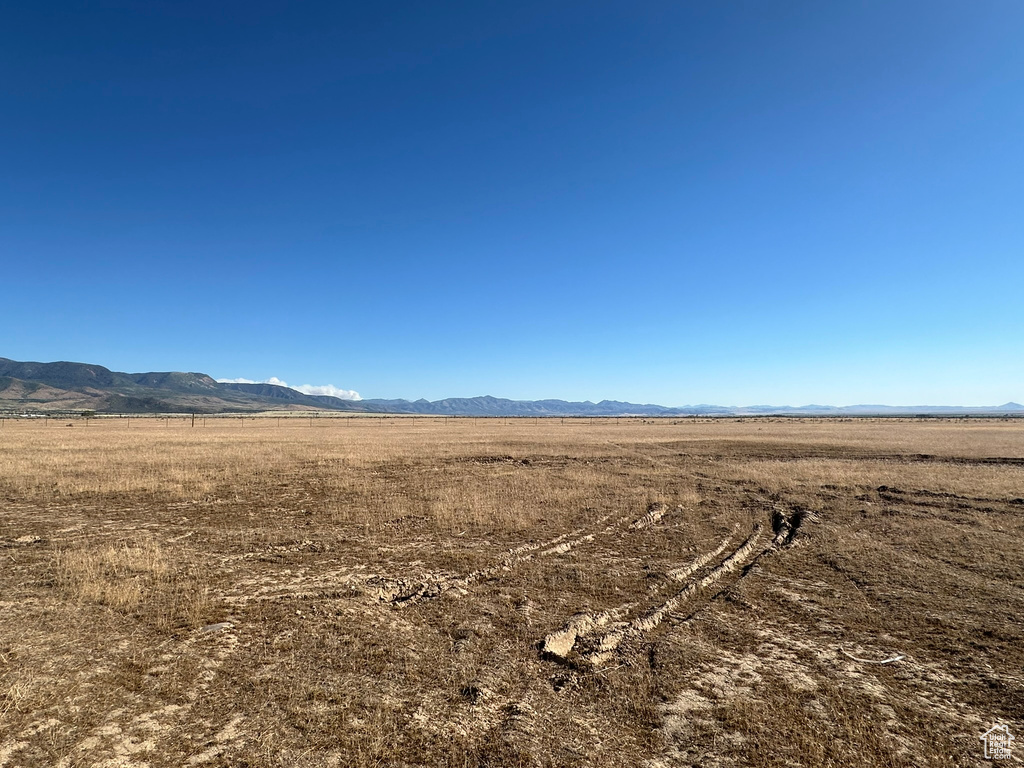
(273, 592)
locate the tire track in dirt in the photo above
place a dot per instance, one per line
(655, 512)
(577, 630)
(684, 572)
(271, 586)
(581, 625)
(486, 702)
(561, 643)
(400, 592)
(607, 645)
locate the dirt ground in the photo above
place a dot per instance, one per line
(442, 592)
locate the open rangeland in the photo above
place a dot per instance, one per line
(403, 591)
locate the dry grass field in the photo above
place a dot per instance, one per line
(429, 592)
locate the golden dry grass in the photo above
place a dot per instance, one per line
(113, 575)
(290, 592)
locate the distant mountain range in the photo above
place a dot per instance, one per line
(66, 387)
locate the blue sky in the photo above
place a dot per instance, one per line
(671, 202)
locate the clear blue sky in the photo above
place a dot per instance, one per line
(672, 202)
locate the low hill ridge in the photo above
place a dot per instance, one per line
(68, 386)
